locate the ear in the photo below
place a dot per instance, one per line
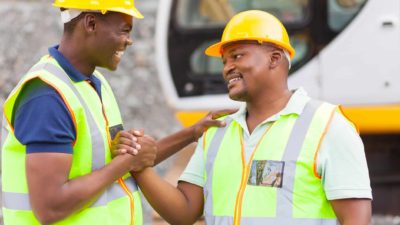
(89, 22)
(276, 59)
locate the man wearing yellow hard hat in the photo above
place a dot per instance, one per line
(61, 123)
(282, 159)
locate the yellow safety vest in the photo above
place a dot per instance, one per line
(239, 192)
(93, 118)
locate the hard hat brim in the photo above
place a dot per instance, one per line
(132, 12)
(215, 50)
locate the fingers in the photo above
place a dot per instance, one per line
(137, 132)
(219, 123)
(127, 143)
(219, 113)
(147, 155)
(123, 149)
(148, 137)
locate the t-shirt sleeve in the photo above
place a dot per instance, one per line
(194, 171)
(42, 121)
(341, 162)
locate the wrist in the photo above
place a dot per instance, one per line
(142, 173)
(193, 133)
(125, 161)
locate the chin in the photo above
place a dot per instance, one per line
(111, 67)
(240, 97)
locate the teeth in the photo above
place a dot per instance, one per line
(119, 53)
(234, 79)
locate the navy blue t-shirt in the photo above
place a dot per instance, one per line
(41, 119)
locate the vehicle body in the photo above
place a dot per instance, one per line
(347, 53)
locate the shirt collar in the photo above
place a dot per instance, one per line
(72, 72)
(295, 105)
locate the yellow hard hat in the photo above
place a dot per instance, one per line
(253, 25)
(121, 6)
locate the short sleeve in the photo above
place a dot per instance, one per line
(42, 121)
(195, 170)
(341, 162)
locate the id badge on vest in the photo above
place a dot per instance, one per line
(114, 130)
(267, 173)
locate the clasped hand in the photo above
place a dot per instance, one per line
(142, 148)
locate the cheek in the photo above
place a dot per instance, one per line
(251, 67)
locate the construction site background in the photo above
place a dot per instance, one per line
(28, 28)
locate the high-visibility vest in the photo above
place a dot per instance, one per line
(93, 118)
(292, 142)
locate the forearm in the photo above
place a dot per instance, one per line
(57, 199)
(84, 190)
(172, 204)
(174, 143)
(352, 211)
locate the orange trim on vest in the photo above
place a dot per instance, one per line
(66, 103)
(245, 176)
(340, 107)
(319, 144)
(121, 181)
(62, 96)
(204, 139)
(132, 204)
(8, 121)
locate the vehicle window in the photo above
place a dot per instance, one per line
(214, 13)
(203, 64)
(340, 12)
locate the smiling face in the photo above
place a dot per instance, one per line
(110, 38)
(246, 69)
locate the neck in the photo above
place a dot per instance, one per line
(264, 107)
(72, 50)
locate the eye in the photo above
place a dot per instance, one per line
(126, 29)
(237, 56)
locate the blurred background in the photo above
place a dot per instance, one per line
(149, 100)
(29, 28)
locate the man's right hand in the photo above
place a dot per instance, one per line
(146, 155)
(141, 149)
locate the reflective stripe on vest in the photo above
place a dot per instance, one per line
(20, 201)
(227, 220)
(284, 202)
(98, 148)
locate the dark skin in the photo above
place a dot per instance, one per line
(256, 74)
(129, 141)
(244, 70)
(103, 36)
(53, 196)
(96, 40)
(192, 206)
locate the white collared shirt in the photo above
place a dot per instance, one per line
(346, 174)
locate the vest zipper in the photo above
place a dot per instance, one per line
(245, 176)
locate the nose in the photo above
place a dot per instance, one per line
(129, 41)
(228, 67)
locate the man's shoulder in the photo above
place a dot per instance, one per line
(36, 89)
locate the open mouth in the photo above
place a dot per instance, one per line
(233, 80)
(233, 77)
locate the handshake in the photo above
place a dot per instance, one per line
(142, 149)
